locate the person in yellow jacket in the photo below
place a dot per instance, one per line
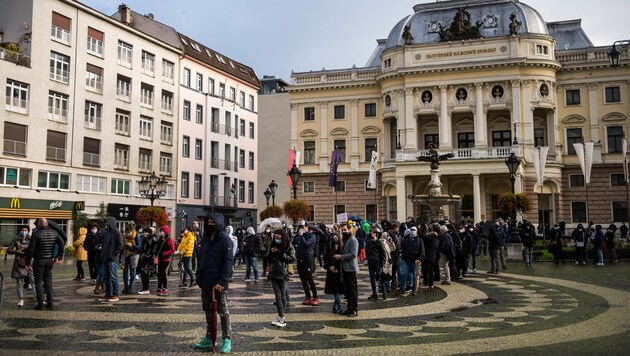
(186, 247)
(80, 254)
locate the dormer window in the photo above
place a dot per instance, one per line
(387, 63)
(184, 41)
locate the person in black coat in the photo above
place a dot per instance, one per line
(375, 253)
(527, 237)
(252, 244)
(90, 246)
(396, 238)
(494, 243)
(464, 252)
(334, 280)
(599, 244)
(556, 244)
(611, 252)
(430, 262)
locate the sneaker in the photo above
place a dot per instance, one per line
(164, 292)
(247, 280)
(192, 284)
(227, 346)
(307, 301)
(137, 277)
(158, 291)
(105, 299)
(206, 343)
(256, 280)
(424, 286)
(275, 322)
(336, 309)
(113, 299)
(281, 323)
(143, 292)
(474, 270)
(21, 303)
(315, 302)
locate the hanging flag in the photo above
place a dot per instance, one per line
(584, 152)
(335, 158)
(372, 177)
(292, 154)
(539, 157)
(233, 189)
(624, 145)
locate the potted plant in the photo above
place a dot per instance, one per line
(272, 211)
(297, 209)
(152, 215)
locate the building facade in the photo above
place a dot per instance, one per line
(480, 80)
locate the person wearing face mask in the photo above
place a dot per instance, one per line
(580, 238)
(22, 275)
(474, 246)
(148, 252)
(164, 253)
(112, 249)
(349, 268)
(527, 238)
(462, 255)
(216, 259)
(267, 239)
(334, 281)
(80, 254)
(89, 245)
(186, 247)
(281, 254)
(131, 254)
(599, 245)
(252, 244)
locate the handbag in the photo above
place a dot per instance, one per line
(156, 260)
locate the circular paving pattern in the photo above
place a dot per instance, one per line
(488, 312)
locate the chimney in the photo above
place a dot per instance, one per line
(125, 14)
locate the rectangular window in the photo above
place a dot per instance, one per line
(197, 186)
(166, 163)
(241, 127)
(251, 103)
(540, 49)
(166, 133)
(620, 211)
(60, 28)
(221, 90)
(370, 146)
(309, 152)
(167, 101)
(371, 212)
(122, 122)
(539, 137)
(309, 187)
(59, 67)
(56, 146)
(186, 109)
(168, 71)
(186, 78)
(210, 86)
(251, 130)
(251, 160)
(57, 106)
(199, 115)
(339, 209)
(91, 184)
(53, 180)
(125, 54)
(214, 118)
(120, 186)
(121, 157)
(578, 212)
(576, 180)
(186, 146)
(14, 139)
(431, 139)
(340, 111)
(145, 159)
(17, 96)
(250, 192)
(615, 139)
(93, 115)
(241, 158)
(572, 96)
(15, 176)
(370, 110)
(340, 186)
(573, 136)
(311, 217)
(146, 128)
(198, 149)
(502, 138)
(613, 95)
(309, 113)
(91, 152)
(148, 64)
(95, 41)
(232, 94)
(241, 191)
(94, 78)
(146, 95)
(199, 83)
(340, 146)
(184, 187)
(466, 140)
(242, 99)
(123, 88)
(616, 180)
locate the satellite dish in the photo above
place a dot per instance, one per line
(150, 15)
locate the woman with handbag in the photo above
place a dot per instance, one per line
(23, 276)
(164, 254)
(148, 260)
(281, 254)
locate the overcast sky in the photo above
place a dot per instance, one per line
(275, 37)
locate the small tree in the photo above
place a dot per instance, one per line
(272, 211)
(101, 215)
(297, 209)
(152, 214)
(509, 203)
(79, 220)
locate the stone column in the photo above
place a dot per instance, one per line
(354, 134)
(387, 134)
(294, 127)
(592, 103)
(481, 123)
(517, 111)
(444, 120)
(528, 114)
(324, 155)
(552, 131)
(410, 122)
(401, 199)
(477, 197)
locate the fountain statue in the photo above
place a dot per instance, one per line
(435, 199)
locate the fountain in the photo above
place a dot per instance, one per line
(435, 199)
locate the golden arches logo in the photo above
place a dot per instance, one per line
(15, 203)
(79, 205)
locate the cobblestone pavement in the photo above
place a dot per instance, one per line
(544, 309)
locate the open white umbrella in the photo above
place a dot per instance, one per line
(273, 222)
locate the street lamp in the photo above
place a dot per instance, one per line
(267, 195)
(272, 188)
(614, 55)
(152, 187)
(295, 174)
(512, 162)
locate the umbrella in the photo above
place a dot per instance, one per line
(213, 321)
(55, 227)
(273, 222)
(355, 218)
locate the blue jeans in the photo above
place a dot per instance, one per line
(407, 272)
(375, 271)
(111, 278)
(600, 256)
(337, 302)
(251, 261)
(129, 272)
(187, 270)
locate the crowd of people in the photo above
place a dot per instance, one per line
(400, 258)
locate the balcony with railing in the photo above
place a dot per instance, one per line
(15, 57)
(458, 153)
(57, 114)
(94, 84)
(59, 75)
(144, 166)
(55, 154)
(14, 148)
(92, 122)
(91, 159)
(214, 162)
(121, 164)
(222, 201)
(16, 105)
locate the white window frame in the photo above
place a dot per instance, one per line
(91, 184)
(251, 130)
(93, 115)
(19, 172)
(242, 99)
(145, 161)
(198, 149)
(94, 46)
(168, 71)
(186, 146)
(251, 103)
(57, 106)
(166, 163)
(93, 81)
(250, 192)
(186, 110)
(186, 78)
(167, 102)
(146, 95)
(199, 114)
(121, 158)
(47, 184)
(123, 89)
(60, 34)
(211, 86)
(148, 63)
(120, 186)
(146, 128)
(59, 67)
(199, 84)
(121, 125)
(185, 185)
(17, 98)
(166, 134)
(251, 160)
(197, 184)
(125, 54)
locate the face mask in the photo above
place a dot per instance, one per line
(140, 231)
(162, 234)
(278, 241)
(211, 228)
(23, 233)
(346, 234)
(580, 229)
(267, 230)
(336, 240)
(471, 229)
(94, 231)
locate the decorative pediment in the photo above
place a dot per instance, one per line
(431, 123)
(575, 119)
(465, 122)
(614, 116)
(500, 120)
(370, 130)
(308, 133)
(339, 131)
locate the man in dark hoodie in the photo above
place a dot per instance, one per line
(213, 273)
(112, 248)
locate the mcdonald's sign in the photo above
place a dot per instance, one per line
(79, 205)
(15, 203)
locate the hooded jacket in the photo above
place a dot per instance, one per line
(230, 232)
(112, 241)
(79, 250)
(187, 245)
(215, 256)
(600, 239)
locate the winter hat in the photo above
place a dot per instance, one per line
(166, 230)
(443, 229)
(250, 230)
(25, 227)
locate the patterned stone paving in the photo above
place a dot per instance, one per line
(482, 313)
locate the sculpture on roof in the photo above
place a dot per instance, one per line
(434, 157)
(461, 28)
(406, 35)
(515, 25)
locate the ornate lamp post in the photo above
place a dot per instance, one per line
(267, 195)
(513, 162)
(614, 55)
(295, 174)
(152, 187)
(272, 188)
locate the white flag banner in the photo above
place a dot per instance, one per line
(297, 159)
(579, 152)
(589, 147)
(624, 145)
(372, 177)
(539, 157)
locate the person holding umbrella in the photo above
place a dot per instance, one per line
(213, 273)
(281, 254)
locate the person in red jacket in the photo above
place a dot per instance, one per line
(165, 253)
